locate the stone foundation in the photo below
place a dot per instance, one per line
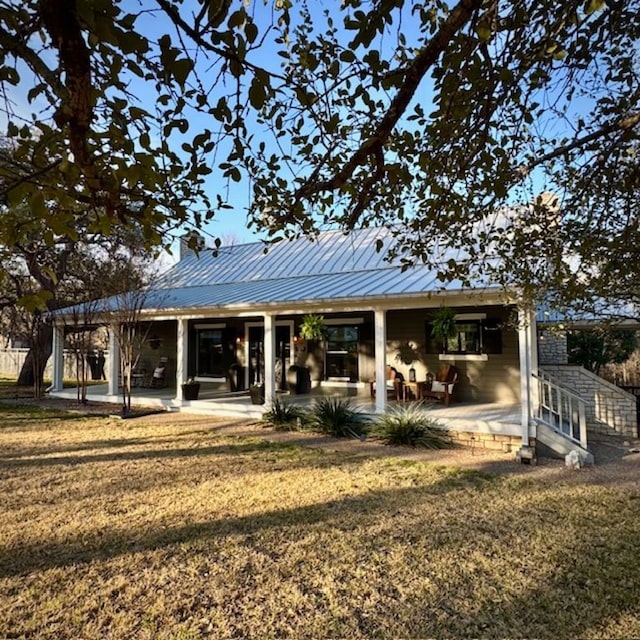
(490, 441)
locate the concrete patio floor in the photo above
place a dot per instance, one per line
(485, 418)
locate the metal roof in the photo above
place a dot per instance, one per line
(331, 252)
(333, 267)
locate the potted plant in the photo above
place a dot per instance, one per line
(314, 331)
(256, 392)
(313, 327)
(443, 326)
(190, 389)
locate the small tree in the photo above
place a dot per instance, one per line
(594, 348)
(129, 334)
(80, 332)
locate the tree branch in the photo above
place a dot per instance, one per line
(414, 73)
(625, 124)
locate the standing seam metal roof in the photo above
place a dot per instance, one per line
(333, 267)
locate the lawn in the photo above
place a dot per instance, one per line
(171, 527)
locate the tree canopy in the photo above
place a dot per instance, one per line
(489, 136)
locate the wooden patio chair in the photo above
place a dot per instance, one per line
(443, 384)
(393, 384)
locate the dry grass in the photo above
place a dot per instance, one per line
(171, 527)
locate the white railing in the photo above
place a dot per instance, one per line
(561, 409)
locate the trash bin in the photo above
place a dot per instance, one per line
(236, 377)
(298, 380)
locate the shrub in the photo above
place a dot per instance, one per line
(337, 417)
(284, 416)
(410, 424)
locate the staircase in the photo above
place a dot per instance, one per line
(561, 419)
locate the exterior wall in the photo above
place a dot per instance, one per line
(494, 379)
(552, 347)
(608, 408)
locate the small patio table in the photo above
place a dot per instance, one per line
(411, 389)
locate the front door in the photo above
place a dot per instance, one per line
(282, 356)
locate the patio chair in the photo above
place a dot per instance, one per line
(159, 376)
(393, 384)
(443, 384)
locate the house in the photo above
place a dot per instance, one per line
(232, 320)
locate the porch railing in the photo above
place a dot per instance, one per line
(561, 409)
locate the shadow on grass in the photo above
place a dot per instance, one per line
(340, 513)
(196, 451)
(111, 443)
(591, 580)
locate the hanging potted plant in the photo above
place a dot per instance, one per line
(313, 327)
(443, 326)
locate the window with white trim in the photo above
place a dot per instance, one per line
(341, 355)
(473, 337)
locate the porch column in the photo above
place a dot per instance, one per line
(114, 361)
(269, 358)
(182, 357)
(57, 373)
(527, 345)
(380, 325)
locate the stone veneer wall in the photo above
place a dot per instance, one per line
(608, 408)
(552, 348)
(495, 442)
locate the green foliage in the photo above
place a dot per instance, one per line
(313, 327)
(284, 416)
(425, 117)
(443, 324)
(410, 424)
(337, 417)
(594, 348)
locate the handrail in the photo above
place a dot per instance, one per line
(546, 376)
(562, 410)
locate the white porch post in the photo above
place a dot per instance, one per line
(527, 346)
(114, 361)
(182, 355)
(57, 375)
(269, 358)
(380, 325)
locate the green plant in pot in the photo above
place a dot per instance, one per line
(313, 327)
(314, 331)
(443, 326)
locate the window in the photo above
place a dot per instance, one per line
(210, 353)
(467, 339)
(342, 353)
(472, 337)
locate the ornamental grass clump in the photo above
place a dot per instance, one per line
(337, 417)
(409, 424)
(284, 416)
